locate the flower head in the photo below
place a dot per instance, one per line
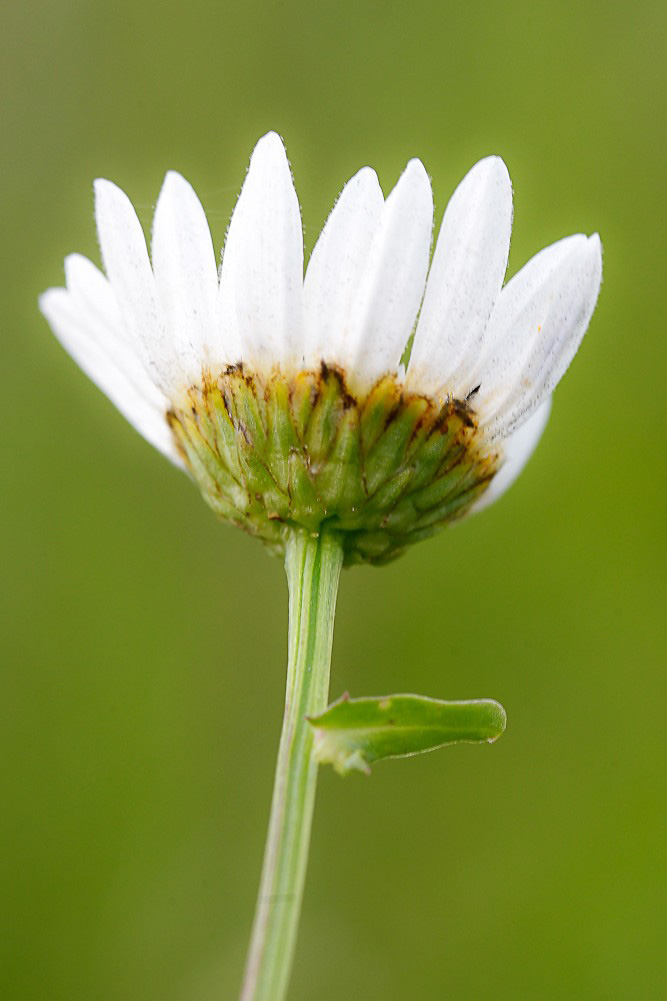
(287, 399)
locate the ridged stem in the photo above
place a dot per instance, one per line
(312, 564)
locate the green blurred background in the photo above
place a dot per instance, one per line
(143, 645)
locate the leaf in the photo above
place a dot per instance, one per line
(354, 733)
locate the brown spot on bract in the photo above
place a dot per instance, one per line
(403, 442)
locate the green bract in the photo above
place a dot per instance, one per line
(383, 468)
(354, 733)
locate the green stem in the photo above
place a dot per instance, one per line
(313, 567)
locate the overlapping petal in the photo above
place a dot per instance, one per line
(518, 309)
(92, 291)
(465, 279)
(129, 270)
(88, 330)
(186, 275)
(262, 265)
(387, 299)
(336, 266)
(544, 334)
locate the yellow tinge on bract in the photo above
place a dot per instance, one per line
(383, 469)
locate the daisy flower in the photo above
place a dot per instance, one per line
(339, 417)
(383, 395)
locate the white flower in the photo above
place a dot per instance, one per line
(151, 330)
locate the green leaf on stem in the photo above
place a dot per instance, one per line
(351, 734)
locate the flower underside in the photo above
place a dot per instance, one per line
(384, 469)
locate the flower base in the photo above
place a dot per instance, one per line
(384, 469)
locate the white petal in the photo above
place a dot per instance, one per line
(87, 343)
(517, 450)
(545, 339)
(387, 300)
(465, 279)
(336, 266)
(186, 273)
(126, 263)
(101, 318)
(519, 309)
(262, 266)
